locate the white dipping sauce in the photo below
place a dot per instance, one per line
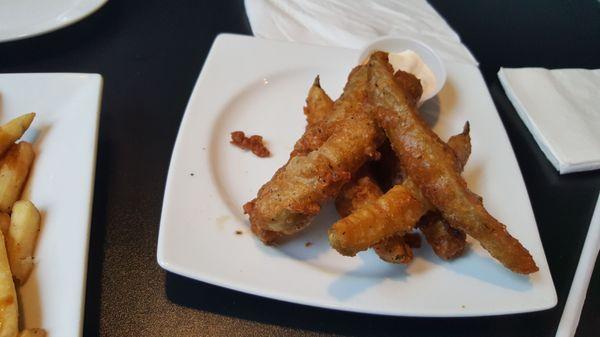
(411, 62)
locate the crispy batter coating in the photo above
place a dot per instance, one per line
(461, 146)
(430, 163)
(353, 98)
(318, 104)
(410, 84)
(294, 195)
(357, 193)
(394, 250)
(317, 110)
(253, 143)
(447, 242)
(394, 213)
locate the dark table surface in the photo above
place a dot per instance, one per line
(150, 53)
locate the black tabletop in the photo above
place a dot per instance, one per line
(150, 53)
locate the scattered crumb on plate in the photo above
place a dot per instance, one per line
(308, 244)
(238, 232)
(253, 143)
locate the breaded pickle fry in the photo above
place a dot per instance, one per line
(430, 163)
(446, 242)
(317, 110)
(294, 195)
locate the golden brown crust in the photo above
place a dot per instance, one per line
(394, 213)
(356, 193)
(363, 189)
(447, 242)
(394, 249)
(411, 85)
(318, 104)
(430, 163)
(359, 192)
(319, 130)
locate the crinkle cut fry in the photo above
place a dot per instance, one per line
(293, 196)
(430, 164)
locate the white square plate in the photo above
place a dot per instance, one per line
(61, 185)
(259, 86)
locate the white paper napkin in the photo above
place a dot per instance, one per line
(352, 24)
(561, 108)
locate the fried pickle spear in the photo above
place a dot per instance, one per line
(294, 195)
(317, 110)
(430, 163)
(394, 213)
(361, 207)
(447, 242)
(357, 193)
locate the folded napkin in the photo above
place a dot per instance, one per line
(352, 24)
(561, 108)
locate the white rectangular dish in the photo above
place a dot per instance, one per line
(61, 185)
(259, 86)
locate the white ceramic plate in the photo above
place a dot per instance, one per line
(259, 86)
(25, 18)
(61, 185)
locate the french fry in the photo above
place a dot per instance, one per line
(33, 333)
(9, 310)
(4, 223)
(21, 238)
(14, 169)
(13, 130)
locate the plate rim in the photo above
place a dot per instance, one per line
(48, 27)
